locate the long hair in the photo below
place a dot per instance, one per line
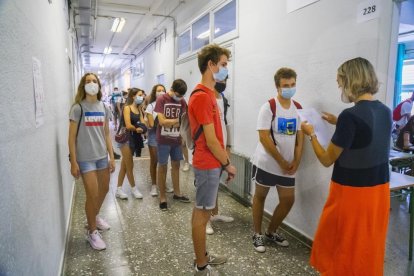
(153, 95)
(81, 94)
(131, 94)
(358, 77)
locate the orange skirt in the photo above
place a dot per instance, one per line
(350, 239)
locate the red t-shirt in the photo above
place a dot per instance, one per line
(171, 110)
(203, 110)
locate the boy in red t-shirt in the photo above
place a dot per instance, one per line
(210, 156)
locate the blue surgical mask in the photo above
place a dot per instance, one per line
(139, 100)
(288, 93)
(221, 74)
(177, 99)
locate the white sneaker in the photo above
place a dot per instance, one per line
(95, 240)
(137, 193)
(186, 167)
(221, 218)
(154, 191)
(120, 193)
(169, 189)
(101, 224)
(209, 229)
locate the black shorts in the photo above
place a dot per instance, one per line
(270, 180)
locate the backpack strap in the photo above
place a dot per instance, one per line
(80, 119)
(272, 103)
(200, 129)
(226, 106)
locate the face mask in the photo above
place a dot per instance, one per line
(288, 93)
(220, 86)
(139, 99)
(344, 97)
(157, 94)
(221, 74)
(177, 99)
(92, 88)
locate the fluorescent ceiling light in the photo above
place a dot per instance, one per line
(107, 50)
(207, 33)
(102, 65)
(118, 25)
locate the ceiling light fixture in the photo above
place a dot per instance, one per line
(118, 25)
(207, 33)
(107, 50)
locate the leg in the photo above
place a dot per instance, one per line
(175, 176)
(258, 206)
(162, 176)
(214, 212)
(122, 172)
(185, 152)
(90, 183)
(103, 186)
(153, 164)
(199, 221)
(129, 165)
(286, 200)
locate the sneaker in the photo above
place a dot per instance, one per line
(117, 156)
(186, 167)
(258, 243)
(221, 218)
(216, 260)
(154, 191)
(95, 240)
(169, 189)
(181, 198)
(208, 271)
(120, 193)
(101, 224)
(137, 193)
(163, 206)
(277, 238)
(209, 229)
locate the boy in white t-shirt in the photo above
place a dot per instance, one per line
(277, 157)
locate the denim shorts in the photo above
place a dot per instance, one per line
(151, 138)
(88, 166)
(169, 150)
(206, 183)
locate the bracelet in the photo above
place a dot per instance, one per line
(312, 136)
(225, 165)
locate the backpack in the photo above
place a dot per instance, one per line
(272, 103)
(396, 113)
(185, 128)
(226, 106)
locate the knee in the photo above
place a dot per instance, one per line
(287, 202)
(175, 164)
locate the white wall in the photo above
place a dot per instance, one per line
(35, 181)
(314, 41)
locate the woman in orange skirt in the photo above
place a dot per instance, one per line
(350, 239)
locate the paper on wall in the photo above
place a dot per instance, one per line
(321, 127)
(39, 94)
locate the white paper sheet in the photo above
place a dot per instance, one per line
(38, 92)
(293, 5)
(322, 128)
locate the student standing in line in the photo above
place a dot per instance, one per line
(169, 108)
(405, 140)
(277, 157)
(226, 122)
(157, 90)
(210, 157)
(132, 116)
(89, 145)
(350, 239)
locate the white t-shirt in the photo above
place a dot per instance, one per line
(405, 109)
(285, 126)
(150, 110)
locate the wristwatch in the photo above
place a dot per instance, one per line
(313, 135)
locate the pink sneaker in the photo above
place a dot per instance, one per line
(101, 224)
(95, 240)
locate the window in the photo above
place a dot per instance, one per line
(225, 19)
(184, 43)
(201, 32)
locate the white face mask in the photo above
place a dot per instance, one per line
(92, 88)
(344, 97)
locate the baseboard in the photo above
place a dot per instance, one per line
(66, 241)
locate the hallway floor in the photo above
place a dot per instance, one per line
(143, 240)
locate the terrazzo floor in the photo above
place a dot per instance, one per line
(146, 241)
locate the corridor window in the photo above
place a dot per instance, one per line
(184, 43)
(225, 19)
(201, 32)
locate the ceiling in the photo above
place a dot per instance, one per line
(93, 19)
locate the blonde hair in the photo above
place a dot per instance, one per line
(81, 94)
(357, 77)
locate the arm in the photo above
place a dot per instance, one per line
(74, 167)
(229, 136)
(109, 147)
(406, 137)
(150, 120)
(330, 118)
(118, 107)
(167, 122)
(267, 142)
